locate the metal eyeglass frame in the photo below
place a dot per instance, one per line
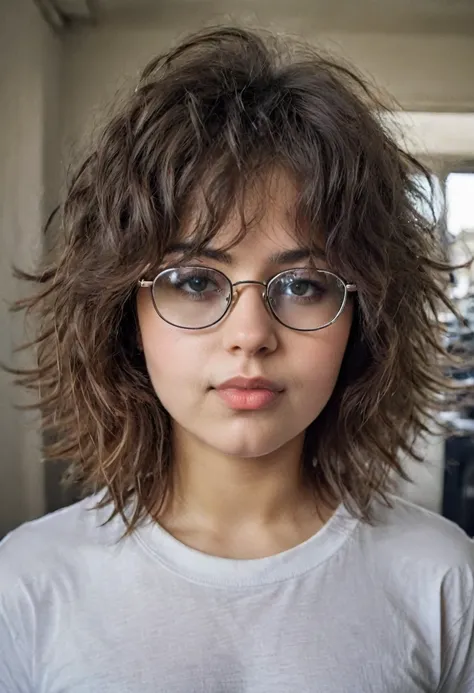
(147, 284)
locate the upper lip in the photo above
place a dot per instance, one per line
(241, 383)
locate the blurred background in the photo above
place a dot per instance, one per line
(64, 60)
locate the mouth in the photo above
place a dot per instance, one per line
(248, 393)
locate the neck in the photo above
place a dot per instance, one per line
(232, 499)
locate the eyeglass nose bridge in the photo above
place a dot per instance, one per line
(235, 294)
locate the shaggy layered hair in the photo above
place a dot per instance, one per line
(208, 118)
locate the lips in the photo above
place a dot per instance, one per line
(241, 383)
(248, 393)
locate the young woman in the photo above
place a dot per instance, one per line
(236, 346)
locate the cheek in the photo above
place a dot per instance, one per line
(169, 358)
(156, 339)
(317, 358)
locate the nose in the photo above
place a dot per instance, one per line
(249, 327)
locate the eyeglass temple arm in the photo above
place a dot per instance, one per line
(351, 287)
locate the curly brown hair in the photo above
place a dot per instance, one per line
(210, 115)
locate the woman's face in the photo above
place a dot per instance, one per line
(188, 367)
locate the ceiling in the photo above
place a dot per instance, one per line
(410, 16)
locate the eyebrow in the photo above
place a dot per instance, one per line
(284, 257)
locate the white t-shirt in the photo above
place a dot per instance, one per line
(355, 609)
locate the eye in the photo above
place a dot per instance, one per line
(306, 287)
(196, 283)
(193, 283)
(194, 280)
(300, 288)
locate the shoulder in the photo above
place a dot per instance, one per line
(42, 548)
(409, 532)
(419, 557)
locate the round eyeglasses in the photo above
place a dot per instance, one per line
(196, 297)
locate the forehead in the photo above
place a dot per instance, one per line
(263, 220)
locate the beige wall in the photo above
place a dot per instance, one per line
(28, 136)
(427, 73)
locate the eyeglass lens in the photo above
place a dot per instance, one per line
(197, 297)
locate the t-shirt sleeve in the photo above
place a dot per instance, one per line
(458, 645)
(460, 651)
(17, 631)
(14, 660)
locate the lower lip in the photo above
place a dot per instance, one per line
(237, 398)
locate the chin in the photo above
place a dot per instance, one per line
(248, 446)
(247, 452)
(242, 436)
